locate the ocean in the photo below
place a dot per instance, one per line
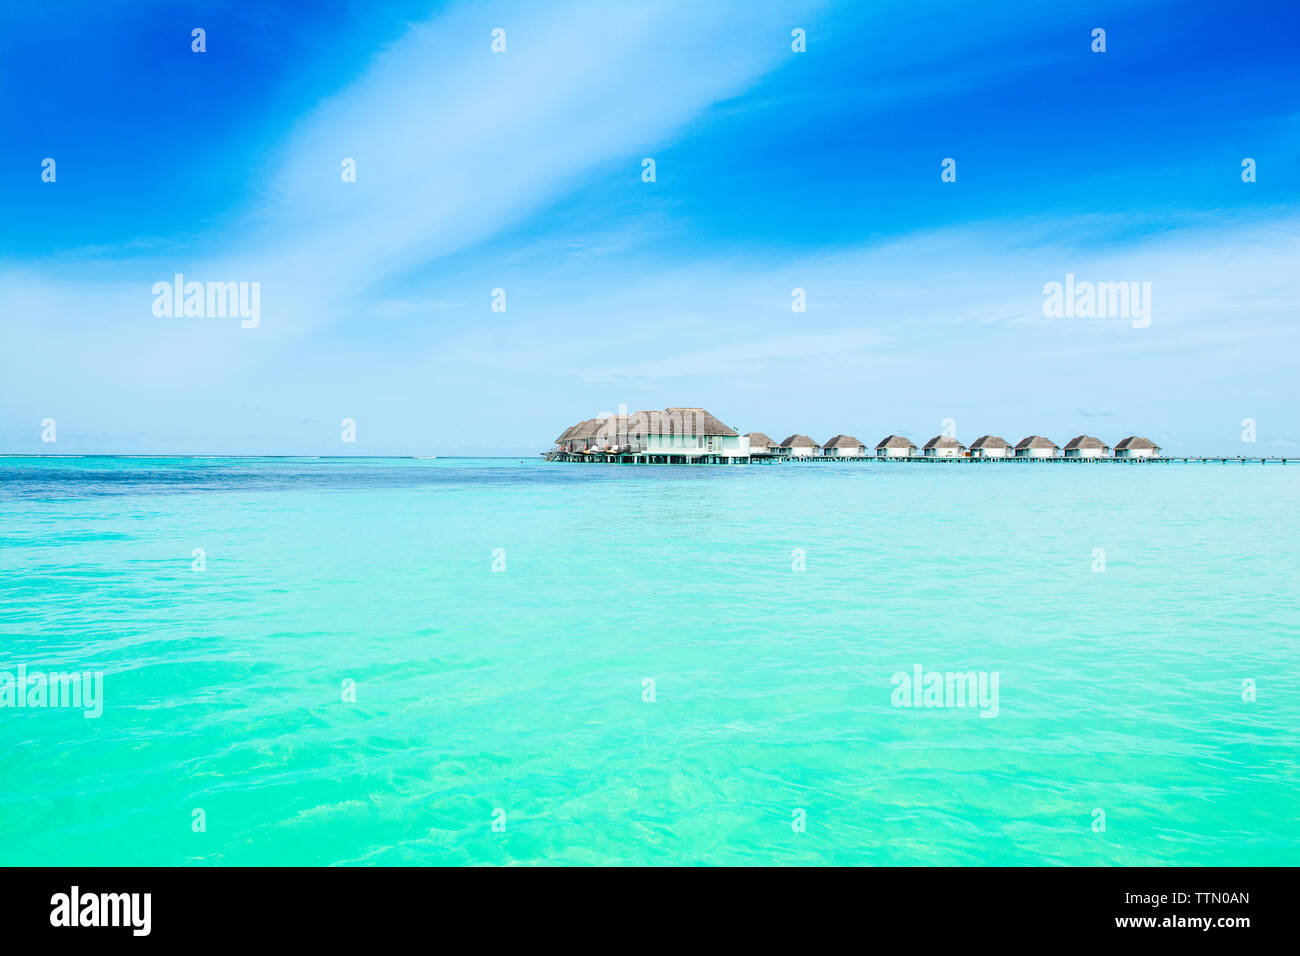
(494, 661)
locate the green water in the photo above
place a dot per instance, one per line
(521, 689)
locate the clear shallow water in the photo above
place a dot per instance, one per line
(522, 689)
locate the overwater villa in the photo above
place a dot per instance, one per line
(681, 432)
(760, 444)
(1085, 446)
(942, 446)
(1036, 446)
(565, 441)
(611, 434)
(686, 432)
(895, 446)
(1135, 446)
(991, 446)
(577, 438)
(800, 446)
(844, 446)
(594, 434)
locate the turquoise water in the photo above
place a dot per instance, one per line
(522, 689)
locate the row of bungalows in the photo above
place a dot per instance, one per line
(801, 446)
(946, 446)
(687, 432)
(1034, 446)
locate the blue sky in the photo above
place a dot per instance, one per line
(522, 170)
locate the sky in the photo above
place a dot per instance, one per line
(522, 170)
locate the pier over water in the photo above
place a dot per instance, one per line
(629, 458)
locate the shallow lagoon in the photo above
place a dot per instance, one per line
(523, 689)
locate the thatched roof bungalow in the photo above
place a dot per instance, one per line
(1036, 446)
(991, 446)
(565, 441)
(800, 446)
(760, 444)
(844, 446)
(943, 446)
(1135, 446)
(580, 435)
(1085, 446)
(895, 446)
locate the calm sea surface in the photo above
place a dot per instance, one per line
(521, 689)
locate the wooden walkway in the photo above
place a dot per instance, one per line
(640, 458)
